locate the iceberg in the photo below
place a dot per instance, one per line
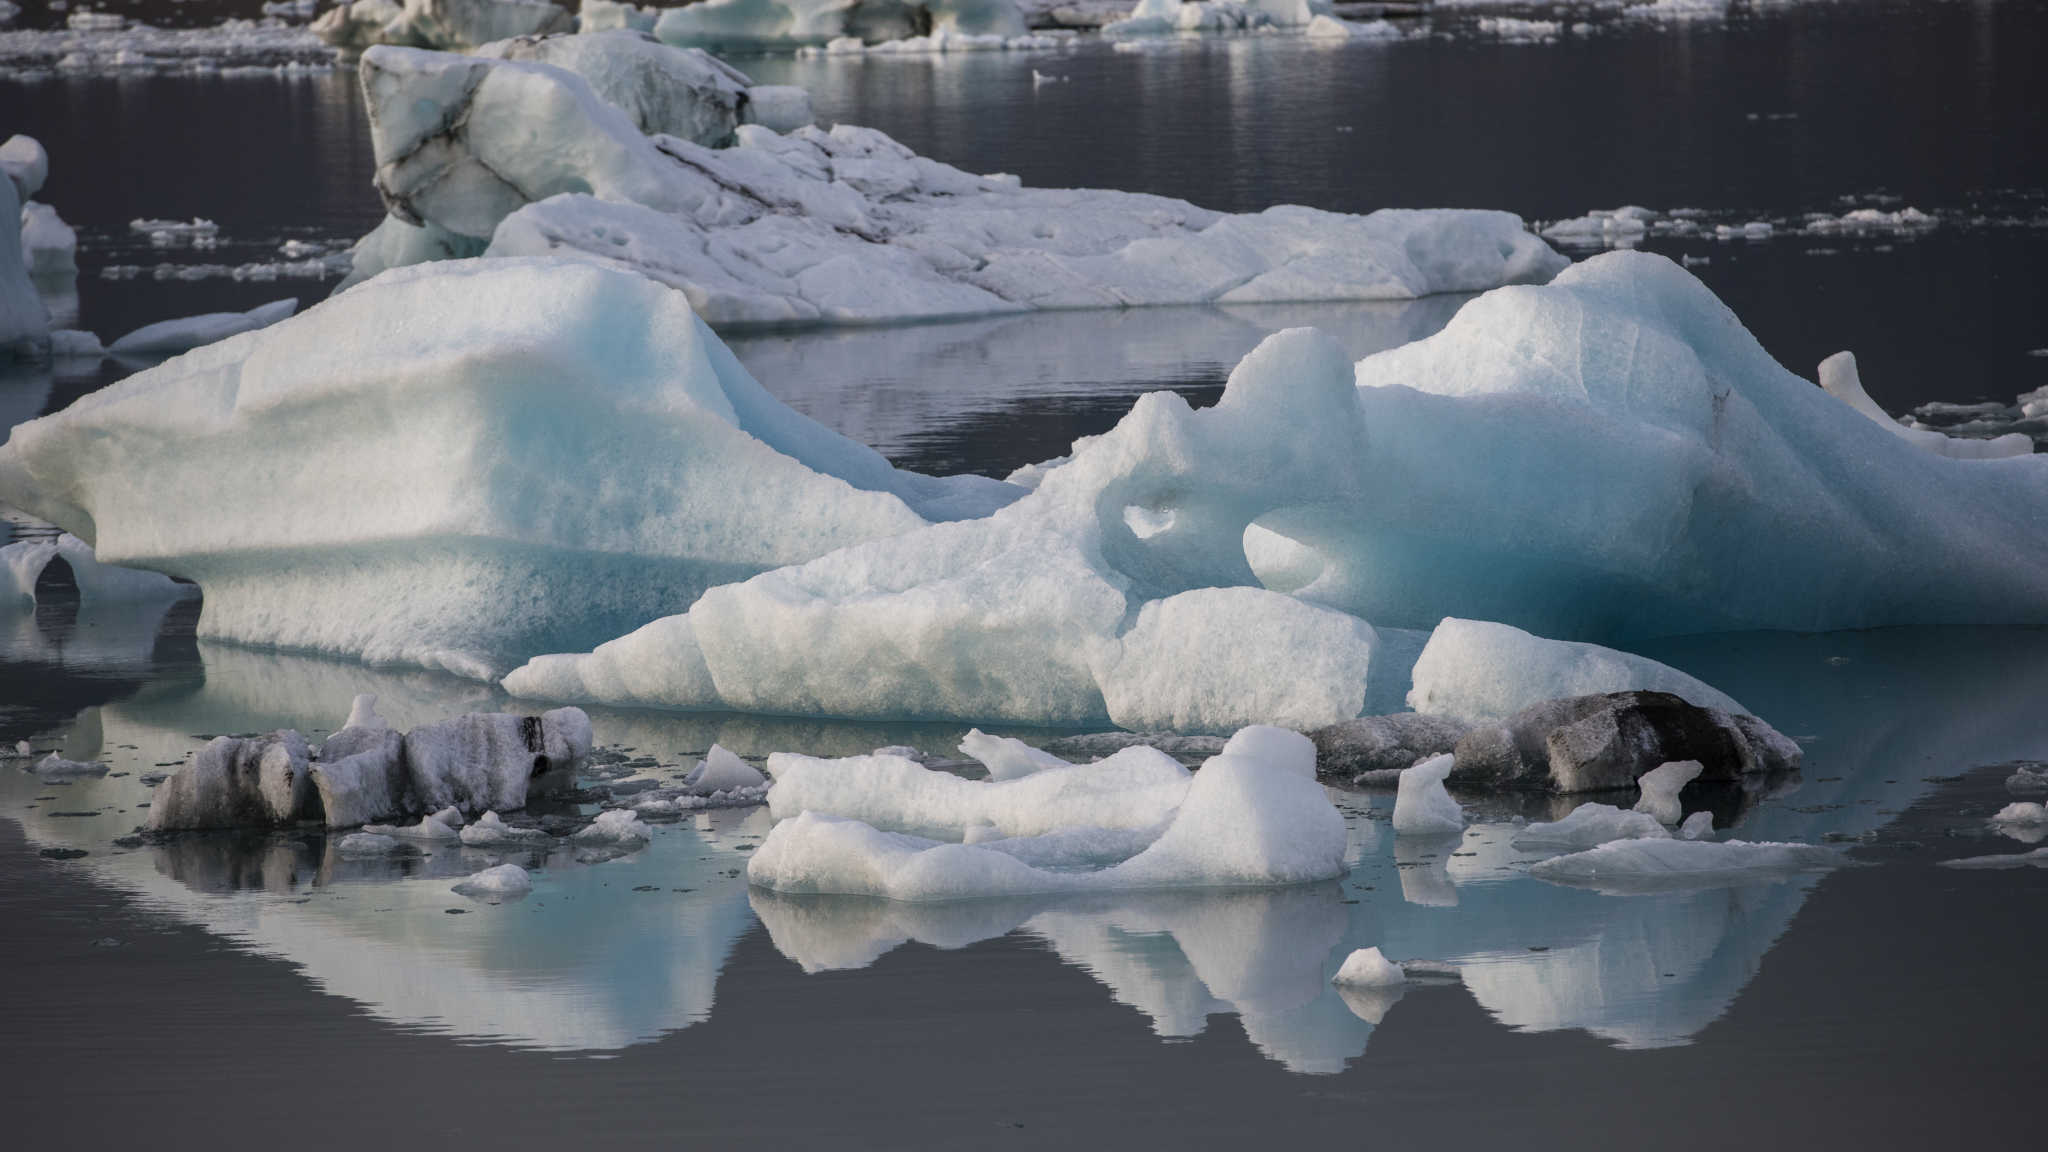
(540, 444)
(1476, 672)
(756, 25)
(524, 158)
(1242, 823)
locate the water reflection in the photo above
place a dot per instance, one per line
(605, 954)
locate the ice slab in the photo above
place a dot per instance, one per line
(1478, 672)
(721, 771)
(1241, 823)
(556, 460)
(1591, 825)
(1628, 867)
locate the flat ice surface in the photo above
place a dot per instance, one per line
(848, 226)
(1481, 673)
(1242, 822)
(1662, 864)
(555, 458)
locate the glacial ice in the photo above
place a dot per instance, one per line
(1477, 672)
(430, 828)
(236, 782)
(1134, 788)
(1421, 806)
(721, 771)
(22, 564)
(846, 226)
(559, 453)
(1838, 375)
(491, 831)
(618, 826)
(1591, 825)
(170, 337)
(490, 760)
(1006, 758)
(1366, 968)
(1330, 28)
(1242, 822)
(1661, 786)
(100, 43)
(1641, 866)
(1274, 747)
(756, 25)
(503, 880)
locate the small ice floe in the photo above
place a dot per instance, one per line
(363, 713)
(429, 828)
(1591, 825)
(491, 831)
(1007, 758)
(2026, 779)
(1661, 786)
(1633, 867)
(1366, 968)
(23, 748)
(1422, 807)
(2038, 858)
(54, 766)
(721, 771)
(2023, 821)
(503, 880)
(369, 844)
(615, 827)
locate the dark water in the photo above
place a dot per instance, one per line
(243, 988)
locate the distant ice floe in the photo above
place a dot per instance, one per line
(1662, 864)
(1631, 224)
(102, 42)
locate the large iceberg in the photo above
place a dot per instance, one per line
(526, 158)
(459, 466)
(1608, 457)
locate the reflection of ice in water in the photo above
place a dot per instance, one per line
(580, 964)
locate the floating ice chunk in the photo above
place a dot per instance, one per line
(492, 760)
(605, 15)
(1838, 375)
(237, 782)
(778, 107)
(618, 826)
(363, 713)
(2028, 779)
(2038, 858)
(1366, 968)
(361, 775)
(1080, 846)
(24, 319)
(26, 164)
(1591, 825)
(1697, 826)
(464, 25)
(429, 828)
(1606, 741)
(1134, 788)
(1510, 30)
(451, 816)
(368, 844)
(49, 246)
(490, 830)
(1276, 747)
(1422, 807)
(722, 771)
(67, 342)
(56, 767)
(503, 880)
(903, 750)
(2021, 812)
(1625, 867)
(1242, 824)
(170, 337)
(739, 25)
(1479, 673)
(1006, 758)
(1661, 786)
(23, 748)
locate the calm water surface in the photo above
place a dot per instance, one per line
(228, 984)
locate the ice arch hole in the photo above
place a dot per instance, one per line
(56, 582)
(1282, 563)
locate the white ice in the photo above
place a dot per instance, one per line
(490, 830)
(722, 771)
(22, 564)
(1421, 805)
(618, 826)
(1697, 826)
(755, 25)
(1481, 673)
(1591, 825)
(170, 337)
(429, 828)
(1134, 788)
(1838, 375)
(503, 880)
(1661, 786)
(367, 844)
(98, 43)
(1330, 28)
(363, 713)
(1006, 758)
(849, 226)
(1366, 968)
(1242, 823)
(55, 766)
(49, 246)
(1165, 17)
(24, 319)
(1627, 867)
(236, 782)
